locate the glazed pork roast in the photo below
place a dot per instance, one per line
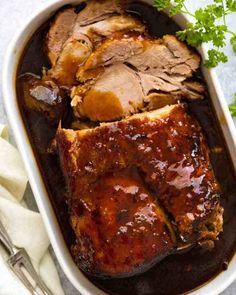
(116, 174)
(139, 178)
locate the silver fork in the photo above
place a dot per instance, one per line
(20, 263)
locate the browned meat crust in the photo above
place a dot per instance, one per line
(168, 149)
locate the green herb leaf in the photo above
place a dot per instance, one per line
(214, 58)
(161, 4)
(232, 107)
(231, 5)
(209, 26)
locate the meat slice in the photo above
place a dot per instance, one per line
(115, 49)
(59, 32)
(170, 56)
(98, 10)
(167, 58)
(63, 24)
(73, 54)
(116, 94)
(168, 149)
(187, 89)
(80, 45)
(109, 26)
(119, 91)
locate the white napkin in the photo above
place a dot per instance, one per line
(24, 226)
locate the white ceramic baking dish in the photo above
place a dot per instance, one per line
(11, 60)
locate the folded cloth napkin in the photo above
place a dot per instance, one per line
(24, 226)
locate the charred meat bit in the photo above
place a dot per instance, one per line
(44, 97)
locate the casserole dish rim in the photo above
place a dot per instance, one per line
(11, 61)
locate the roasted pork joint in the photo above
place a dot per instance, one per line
(168, 151)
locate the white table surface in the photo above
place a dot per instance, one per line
(13, 14)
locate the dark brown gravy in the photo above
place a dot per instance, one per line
(178, 273)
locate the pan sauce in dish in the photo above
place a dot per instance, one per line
(185, 271)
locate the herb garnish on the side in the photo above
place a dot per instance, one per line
(209, 26)
(232, 107)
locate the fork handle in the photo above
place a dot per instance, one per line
(6, 240)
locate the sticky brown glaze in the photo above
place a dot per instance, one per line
(120, 228)
(170, 151)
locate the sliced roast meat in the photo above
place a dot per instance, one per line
(169, 152)
(117, 48)
(117, 93)
(188, 89)
(158, 57)
(98, 10)
(60, 30)
(73, 54)
(81, 34)
(68, 21)
(105, 71)
(109, 26)
(150, 82)
(166, 55)
(80, 45)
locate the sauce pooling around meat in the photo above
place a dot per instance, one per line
(177, 273)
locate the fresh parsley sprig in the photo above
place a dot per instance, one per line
(209, 25)
(232, 107)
